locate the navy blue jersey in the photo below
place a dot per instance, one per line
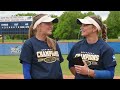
(98, 56)
(45, 64)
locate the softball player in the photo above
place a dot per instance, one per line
(40, 55)
(97, 55)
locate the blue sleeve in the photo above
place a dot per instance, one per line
(109, 63)
(26, 53)
(26, 70)
(105, 74)
(60, 55)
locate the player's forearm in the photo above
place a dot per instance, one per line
(91, 73)
(26, 70)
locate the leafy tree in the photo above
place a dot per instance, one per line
(54, 25)
(25, 14)
(113, 24)
(67, 27)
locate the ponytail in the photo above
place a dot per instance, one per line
(103, 27)
(104, 33)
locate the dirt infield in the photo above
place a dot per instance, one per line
(20, 76)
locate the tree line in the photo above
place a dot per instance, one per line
(67, 28)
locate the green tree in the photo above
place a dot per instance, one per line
(25, 14)
(54, 25)
(113, 24)
(67, 27)
(88, 14)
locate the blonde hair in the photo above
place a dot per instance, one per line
(32, 32)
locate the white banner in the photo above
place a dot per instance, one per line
(15, 18)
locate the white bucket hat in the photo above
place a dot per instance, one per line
(45, 18)
(88, 20)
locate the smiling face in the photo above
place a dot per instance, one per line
(45, 28)
(87, 30)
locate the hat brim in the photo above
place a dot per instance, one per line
(83, 21)
(53, 20)
(78, 21)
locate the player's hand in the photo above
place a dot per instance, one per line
(82, 69)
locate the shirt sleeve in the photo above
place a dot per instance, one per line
(70, 57)
(60, 55)
(109, 58)
(26, 54)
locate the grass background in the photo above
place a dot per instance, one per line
(11, 65)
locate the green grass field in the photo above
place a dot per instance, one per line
(11, 65)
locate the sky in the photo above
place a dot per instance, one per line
(103, 14)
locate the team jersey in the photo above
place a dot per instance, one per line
(98, 56)
(45, 63)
